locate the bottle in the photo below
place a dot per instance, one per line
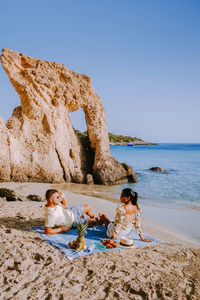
(96, 246)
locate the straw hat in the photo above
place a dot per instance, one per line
(125, 242)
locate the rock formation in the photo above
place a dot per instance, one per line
(39, 142)
(157, 169)
(11, 195)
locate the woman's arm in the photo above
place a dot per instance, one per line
(144, 239)
(119, 218)
(137, 225)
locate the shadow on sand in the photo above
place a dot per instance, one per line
(21, 223)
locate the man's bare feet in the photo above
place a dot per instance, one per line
(92, 216)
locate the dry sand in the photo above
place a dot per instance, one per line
(33, 269)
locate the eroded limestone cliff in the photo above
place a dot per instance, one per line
(39, 142)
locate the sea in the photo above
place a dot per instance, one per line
(171, 197)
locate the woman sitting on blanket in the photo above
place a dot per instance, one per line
(127, 215)
(57, 214)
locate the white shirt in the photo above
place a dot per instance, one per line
(58, 216)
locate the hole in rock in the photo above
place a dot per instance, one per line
(78, 120)
(79, 124)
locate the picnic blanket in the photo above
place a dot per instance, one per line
(93, 238)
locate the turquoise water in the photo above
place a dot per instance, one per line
(179, 187)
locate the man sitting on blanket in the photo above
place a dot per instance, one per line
(57, 214)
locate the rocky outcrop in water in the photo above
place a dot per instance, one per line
(39, 143)
(157, 169)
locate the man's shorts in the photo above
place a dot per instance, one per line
(78, 214)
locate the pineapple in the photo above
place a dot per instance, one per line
(81, 229)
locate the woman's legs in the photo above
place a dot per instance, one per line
(104, 219)
(93, 220)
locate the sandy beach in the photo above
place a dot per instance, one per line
(33, 269)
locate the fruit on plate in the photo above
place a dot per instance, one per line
(75, 245)
(109, 244)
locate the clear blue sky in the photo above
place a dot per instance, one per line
(143, 57)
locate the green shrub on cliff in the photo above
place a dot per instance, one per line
(114, 138)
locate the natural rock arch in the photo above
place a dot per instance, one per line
(39, 142)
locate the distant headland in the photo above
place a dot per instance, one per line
(115, 139)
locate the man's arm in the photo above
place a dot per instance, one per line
(64, 199)
(50, 230)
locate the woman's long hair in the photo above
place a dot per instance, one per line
(130, 193)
